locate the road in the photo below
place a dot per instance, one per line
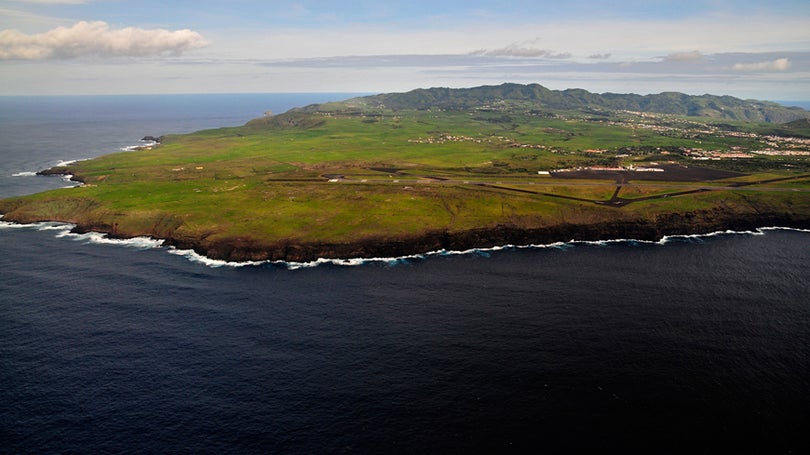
(615, 200)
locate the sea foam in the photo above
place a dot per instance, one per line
(42, 226)
(140, 243)
(141, 146)
(64, 230)
(193, 256)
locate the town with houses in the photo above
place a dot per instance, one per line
(776, 146)
(771, 145)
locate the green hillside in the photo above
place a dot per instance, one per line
(539, 97)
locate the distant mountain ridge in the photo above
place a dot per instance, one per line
(539, 97)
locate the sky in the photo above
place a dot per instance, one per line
(742, 48)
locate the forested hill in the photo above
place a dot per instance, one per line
(538, 97)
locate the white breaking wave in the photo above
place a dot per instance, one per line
(778, 228)
(141, 243)
(54, 226)
(63, 230)
(193, 256)
(350, 262)
(24, 174)
(142, 145)
(70, 183)
(43, 226)
(669, 238)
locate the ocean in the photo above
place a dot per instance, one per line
(692, 344)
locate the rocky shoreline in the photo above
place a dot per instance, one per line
(691, 223)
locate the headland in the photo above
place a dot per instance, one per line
(400, 174)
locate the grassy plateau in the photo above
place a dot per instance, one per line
(359, 178)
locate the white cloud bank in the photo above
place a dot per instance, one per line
(525, 49)
(518, 51)
(780, 64)
(692, 56)
(96, 39)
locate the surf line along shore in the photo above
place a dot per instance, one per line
(691, 223)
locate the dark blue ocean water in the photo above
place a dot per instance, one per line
(695, 344)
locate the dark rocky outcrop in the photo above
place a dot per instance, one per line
(56, 170)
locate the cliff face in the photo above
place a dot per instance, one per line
(696, 222)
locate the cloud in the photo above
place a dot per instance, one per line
(96, 39)
(599, 56)
(516, 51)
(692, 56)
(780, 64)
(523, 49)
